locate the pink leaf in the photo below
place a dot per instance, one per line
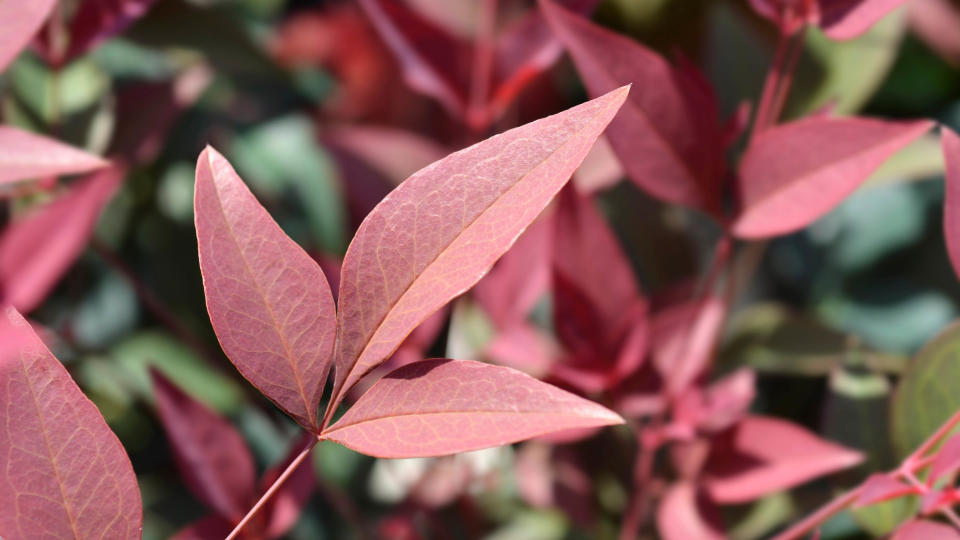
(25, 155)
(761, 455)
(683, 338)
(19, 21)
(921, 529)
(951, 204)
(269, 302)
(797, 172)
(948, 459)
(37, 249)
(935, 22)
(524, 347)
(847, 19)
(212, 457)
(65, 474)
(600, 170)
(667, 142)
(882, 487)
(438, 407)
(685, 514)
(438, 233)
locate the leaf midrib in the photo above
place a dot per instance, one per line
(337, 427)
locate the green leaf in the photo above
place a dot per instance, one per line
(52, 96)
(927, 393)
(882, 518)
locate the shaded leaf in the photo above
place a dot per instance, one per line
(212, 457)
(36, 250)
(795, 173)
(441, 230)
(761, 455)
(438, 407)
(684, 514)
(951, 203)
(269, 302)
(65, 474)
(667, 137)
(25, 156)
(93, 22)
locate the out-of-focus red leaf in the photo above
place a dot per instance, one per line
(269, 302)
(685, 514)
(438, 233)
(37, 249)
(65, 474)
(283, 509)
(600, 170)
(936, 22)
(446, 479)
(19, 21)
(721, 405)
(668, 136)
(921, 529)
(847, 19)
(93, 22)
(761, 455)
(948, 459)
(394, 153)
(795, 173)
(683, 337)
(882, 487)
(25, 155)
(951, 204)
(212, 457)
(438, 407)
(208, 528)
(524, 347)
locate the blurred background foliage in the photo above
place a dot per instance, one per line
(832, 321)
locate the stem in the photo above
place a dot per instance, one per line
(273, 488)
(931, 441)
(770, 84)
(810, 522)
(477, 114)
(786, 81)
(637, 509)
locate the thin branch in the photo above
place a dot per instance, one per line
(273, 488)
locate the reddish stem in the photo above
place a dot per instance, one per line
(770, 84)
(482, 73)
(273, 488)
(637, 509)
(786, 81)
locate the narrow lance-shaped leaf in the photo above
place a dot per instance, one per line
(951, 203)
(438, 233)
(25, 155)
(668, 136)
(65, 474)
(19, 21)
(38, 249)
(269, 302)
(797, 172)
(212, 457)
(437, 407)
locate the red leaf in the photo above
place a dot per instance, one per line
(797, 172)
(65, 474)
(935, 22)
(761, 455)
(524, 347)
(269, 302)
(684, 514)
(19, 21)
(438, 407)
(25, 155)
(96, 20)
(212, 457)
(948, 459)
(669, 144)
(36, 250)
(951, 204)
(847, 19)
(442, 229)
(683, 338)
(921, 529)
(882, 487)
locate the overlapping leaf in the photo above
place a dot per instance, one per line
(437, 407)
(794, 173)
(19, 21)
(65, 474)
(442, 229)
(269, 302)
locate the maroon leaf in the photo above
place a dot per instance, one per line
(212, 457)
(37, 249)
(683, 338)
(667, 137)
(951, 204)
(65, 474)
(25, 155)
(19, 21)
(882, 487)
(438, 407)
(438, 233)
(96, 20)
(847, 19)
(269, 302)
(208, 528)
(685, 514)
(761, 455)
(797, 172)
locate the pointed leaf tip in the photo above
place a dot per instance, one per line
(269, 302)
